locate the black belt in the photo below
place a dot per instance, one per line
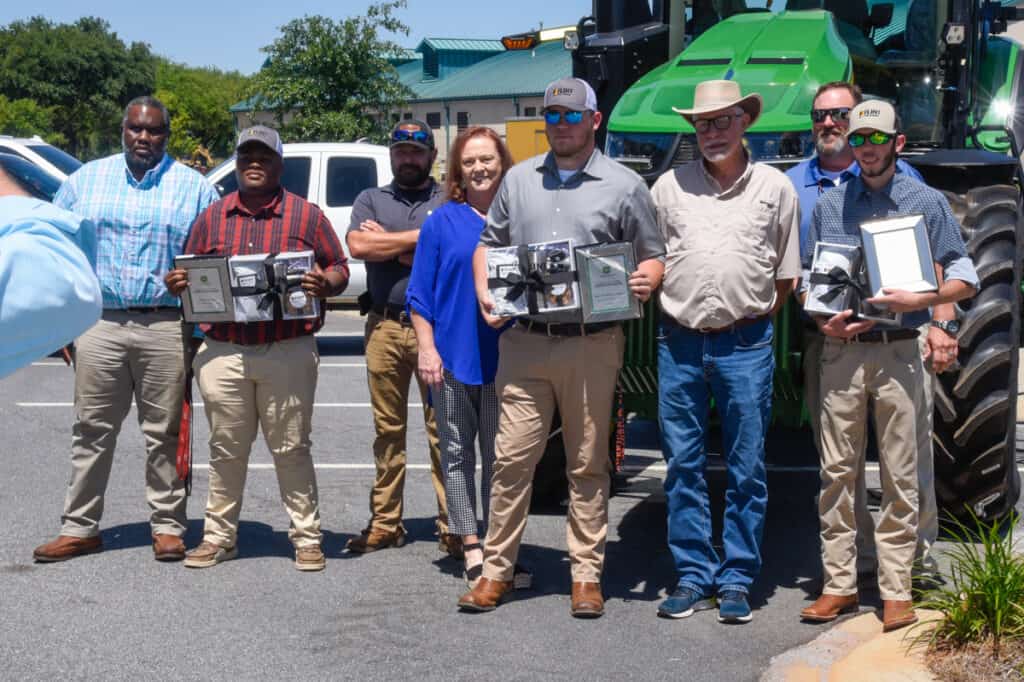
(140, 310)
(395, 314)
(882, 336)
(565, 328)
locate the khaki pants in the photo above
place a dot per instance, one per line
(536, 375)
(391, 358)
(928, 512)
(126, 355)
(270, 386)
(885, 378)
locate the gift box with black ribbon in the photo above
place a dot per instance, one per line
(533, 278)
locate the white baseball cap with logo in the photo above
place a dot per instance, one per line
(574, 94)
(873, 114)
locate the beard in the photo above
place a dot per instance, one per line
(888, 160)
(833, 148)
(138, 164)
(411, 175)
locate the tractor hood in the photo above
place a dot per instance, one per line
(783, 57)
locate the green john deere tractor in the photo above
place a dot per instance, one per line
(957, 81)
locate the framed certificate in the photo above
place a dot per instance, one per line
(207, 298)
(603, 271)
(898, 255)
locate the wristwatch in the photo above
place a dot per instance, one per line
(951, 327)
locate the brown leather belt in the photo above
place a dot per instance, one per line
(565, 328)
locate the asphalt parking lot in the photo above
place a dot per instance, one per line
(387, 615)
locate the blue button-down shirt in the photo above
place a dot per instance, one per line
(838, 215)
(810, 183)
(48, 291)
(141, 225)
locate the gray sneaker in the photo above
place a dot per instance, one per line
(310, 558)
(208, 554)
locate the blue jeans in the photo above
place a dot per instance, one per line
(735, 368)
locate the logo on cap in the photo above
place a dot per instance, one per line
(555, 92)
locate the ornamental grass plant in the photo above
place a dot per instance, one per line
(981, 605)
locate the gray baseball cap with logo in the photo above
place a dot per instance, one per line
(873, 114)
(574, 94)
(262, 134)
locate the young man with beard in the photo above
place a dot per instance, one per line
(383, 230)
(731, 228)
(866, 371)
(833, 165)
(262, 375)
(142, 203)
(554, 361)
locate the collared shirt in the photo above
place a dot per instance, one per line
(442, 290)
(811, 182)
(288, 223)
(396, 210)
(141, 225)
(726, 246)
(602, 202)
(838, 215)
(48, 291)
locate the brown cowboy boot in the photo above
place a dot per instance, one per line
(897, 614)
(828, 607)
(486, 596)
(587, 600)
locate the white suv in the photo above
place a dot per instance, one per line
(331, 175)
(35, 150)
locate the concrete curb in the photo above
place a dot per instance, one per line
(854, 650)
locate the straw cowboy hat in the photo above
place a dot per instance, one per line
(717, 95)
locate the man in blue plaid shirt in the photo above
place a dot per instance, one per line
(864, 368)
(143, 203)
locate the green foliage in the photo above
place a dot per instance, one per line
(82, 72)
(25, 118)
(334, 77)
(199, 100)
(985, 595)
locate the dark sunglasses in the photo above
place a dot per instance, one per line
(877, 137)
(420, 136)
(702, 125)
(553, 118)
(837, 114)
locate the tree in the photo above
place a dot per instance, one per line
(198, 100)
(334, 77)
(82, 71)
(25, 118)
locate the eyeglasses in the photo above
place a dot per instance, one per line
(876, 138)
(553, 118)
(402, 135)
(837, 114)
(720, 122)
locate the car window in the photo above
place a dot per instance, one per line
(10, 150)
(62, 160)
(30, 177)
(347, 176)
(295, 178)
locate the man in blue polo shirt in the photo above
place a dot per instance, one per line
(833, 165)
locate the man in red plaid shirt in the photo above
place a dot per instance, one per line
(262, 374)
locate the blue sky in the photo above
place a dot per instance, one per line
(229, 35)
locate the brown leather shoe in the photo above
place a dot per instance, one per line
(897, 614)
(486, 595)
(828, 607)
(167, 547)
(67, 547)
(587, 600)
(372, 539)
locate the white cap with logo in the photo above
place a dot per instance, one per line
(574, 94)
(873, 114)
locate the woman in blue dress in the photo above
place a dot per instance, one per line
(458, 352)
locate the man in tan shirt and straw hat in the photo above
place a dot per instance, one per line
(731, 229)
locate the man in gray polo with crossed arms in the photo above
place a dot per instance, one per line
(553, 361)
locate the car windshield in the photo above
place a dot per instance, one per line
(31, 177)
(62, 160)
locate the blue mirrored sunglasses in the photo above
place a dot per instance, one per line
(553, 118)
(410, 136)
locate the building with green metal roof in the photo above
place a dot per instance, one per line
(457, 83)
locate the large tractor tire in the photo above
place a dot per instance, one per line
(976, 406)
